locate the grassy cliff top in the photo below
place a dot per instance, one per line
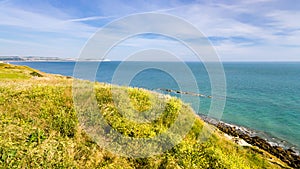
(10, 72)
(39, 128)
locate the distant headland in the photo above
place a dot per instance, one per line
(42, 59)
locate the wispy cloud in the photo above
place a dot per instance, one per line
(266, 31)
(37, 22)
(238, 29)
(92, 18)
(29, 33)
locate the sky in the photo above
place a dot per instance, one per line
(248, 30)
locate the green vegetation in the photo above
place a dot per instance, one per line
(39, 128)
(8, 71)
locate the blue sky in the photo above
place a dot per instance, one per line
(254, 30)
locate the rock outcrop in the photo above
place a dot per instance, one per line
(288, 156)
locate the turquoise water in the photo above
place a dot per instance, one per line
(264, 97)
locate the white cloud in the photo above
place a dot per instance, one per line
(31, 33)
(274, 28)
(285, 19)
(28, 20)
(219, 20)
(92, 18)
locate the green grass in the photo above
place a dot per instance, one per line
(39, 128)
(13, 72)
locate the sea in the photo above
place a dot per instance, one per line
(263, 97)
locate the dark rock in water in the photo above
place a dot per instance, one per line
(291, 151)
(288, 156)
(279, 149)
(167, 90)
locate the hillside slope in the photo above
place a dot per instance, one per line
(39, 128)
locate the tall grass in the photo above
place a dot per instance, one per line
(39, 128)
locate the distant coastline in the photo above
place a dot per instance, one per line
(44, 59)
(32, 59)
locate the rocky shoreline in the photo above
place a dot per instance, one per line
(288, 156)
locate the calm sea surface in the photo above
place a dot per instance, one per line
(264, 97)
